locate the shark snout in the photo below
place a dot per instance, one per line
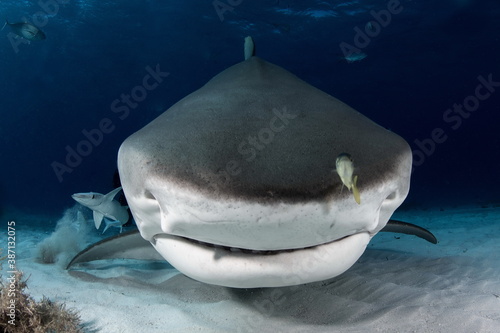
(245, 224)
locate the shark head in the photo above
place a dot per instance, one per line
(235, 184)
(88, 199)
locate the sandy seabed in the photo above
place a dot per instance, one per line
(400, 284)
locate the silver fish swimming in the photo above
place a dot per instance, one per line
(354, 57)
(26, 30)
(345, 169)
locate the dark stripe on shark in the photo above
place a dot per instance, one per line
(257, 133)
(131, 245)
(409, 229)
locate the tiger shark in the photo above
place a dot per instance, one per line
(131, 245)
(235, 184)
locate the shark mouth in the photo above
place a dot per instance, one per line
(245, 268)
(247, 251)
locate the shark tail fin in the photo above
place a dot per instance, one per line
(107, 226)
(355, 190)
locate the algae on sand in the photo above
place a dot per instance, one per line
(20, 313)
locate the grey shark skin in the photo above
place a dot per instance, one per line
(244, 167)
(130, 244)
(26, 30)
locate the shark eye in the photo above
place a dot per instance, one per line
(93, 195)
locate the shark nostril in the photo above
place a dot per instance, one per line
(149, 195)
(390, 198)
(147, 213)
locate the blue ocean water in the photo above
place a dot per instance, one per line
(431, 75)
(107, 68)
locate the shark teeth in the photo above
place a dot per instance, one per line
(251, 251)
(243, 268)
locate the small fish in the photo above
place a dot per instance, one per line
(354, 56)
(26, 30)
(345, 169)
(104, 208)
(369, 27)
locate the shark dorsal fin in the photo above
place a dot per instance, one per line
(112, 194)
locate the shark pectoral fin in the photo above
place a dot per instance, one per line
(128, 245)
(355, 190)
(98, 219)
(409, 229)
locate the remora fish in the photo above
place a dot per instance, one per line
(345, 170)
(103, 206)
(26, 30)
